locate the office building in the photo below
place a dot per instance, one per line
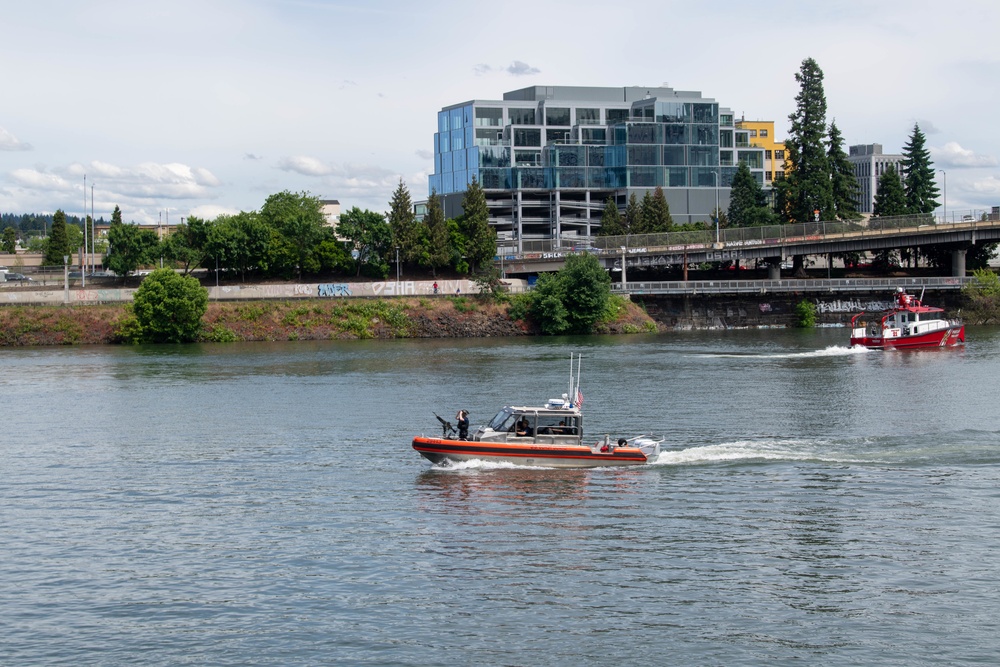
(869, 164)
(548, 157)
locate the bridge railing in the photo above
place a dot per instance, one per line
(836, 285)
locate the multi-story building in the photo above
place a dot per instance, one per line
(869, 164)
(548, 157)
(760, 134)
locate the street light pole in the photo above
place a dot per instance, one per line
(945, 198)
(65, 278)
(397, 270)
(623, 268)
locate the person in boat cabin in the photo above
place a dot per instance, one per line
(463, 424)
(523, 429)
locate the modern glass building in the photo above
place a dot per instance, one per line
(549, 157)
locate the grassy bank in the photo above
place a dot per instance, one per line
(312, 319)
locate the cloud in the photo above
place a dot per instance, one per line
(251, 156)
(986, 186)
(425, 154)
(481, 69)
(518, 68)
(305, 165)
(8, 142)
(953, 155)
(927, 127)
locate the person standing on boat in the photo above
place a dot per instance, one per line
(463, 424)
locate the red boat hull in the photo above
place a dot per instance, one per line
(438, 450)
(941, 338)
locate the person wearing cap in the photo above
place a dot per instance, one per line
(463, 424)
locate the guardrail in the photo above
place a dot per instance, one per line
(733, 237)
(795, 285)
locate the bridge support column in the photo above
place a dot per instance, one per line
(774, 271)
(958, 263)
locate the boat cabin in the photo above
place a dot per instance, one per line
(557, 423)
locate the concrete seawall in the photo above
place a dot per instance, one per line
(772, 310)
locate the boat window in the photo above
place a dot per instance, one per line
(499, 423)
(557, 425)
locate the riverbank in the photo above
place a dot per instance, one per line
(309, 319)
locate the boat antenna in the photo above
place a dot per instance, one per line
(569, 396)
(922, 294)
(579, 364)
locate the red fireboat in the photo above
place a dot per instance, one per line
(908, 325)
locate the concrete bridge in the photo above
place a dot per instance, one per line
(773, 244)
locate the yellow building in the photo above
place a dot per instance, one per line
(760, 134)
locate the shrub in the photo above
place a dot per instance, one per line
(805, 314)
(168, 307)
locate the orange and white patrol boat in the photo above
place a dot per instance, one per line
(908, 324)
(550, 436)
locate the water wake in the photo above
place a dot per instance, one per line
(831, 351)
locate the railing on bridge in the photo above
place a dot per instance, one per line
(776, 286)
(739, 236)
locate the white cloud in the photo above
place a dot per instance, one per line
(518, 68)
(986, 186)
(8, 142)
(953, 155)
(425, 154)
(305, 165)
(34, 179)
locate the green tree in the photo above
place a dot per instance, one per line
(587, 288)
(57, 245)
(654, 212)
(807, 186)
(748, 205)
(186, 245)
(299, 221)
(480, 238)
(403, 223)
(437, 248)
(9, 241)
(244, 243)
(846, 192)
(573, 299)
(611, 219)
(129, 247)
(369, 235)
(889, 197)
(921, 190)
(169, 307)
(632, 219)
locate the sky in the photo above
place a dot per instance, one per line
(206, 107)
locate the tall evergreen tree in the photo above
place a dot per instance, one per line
(655, 213)
(403, 223)
(437, 252)
(480, 238)
(748, 205)
(890, 198)
(632, 220)
(846, 192)
(921, 190)
(611, 219)
(57, 245)
(9, 242)
(808, 181)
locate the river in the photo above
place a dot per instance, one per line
(260, 504)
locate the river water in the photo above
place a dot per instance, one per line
(260, 504)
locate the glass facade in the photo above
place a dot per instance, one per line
(670, 143)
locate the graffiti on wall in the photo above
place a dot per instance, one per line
(335, 289)
(851, 306)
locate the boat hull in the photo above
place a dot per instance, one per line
(438, 450)
(947, 337)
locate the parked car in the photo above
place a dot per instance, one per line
(18, 276)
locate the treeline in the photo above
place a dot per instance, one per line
(289, 237)
(38, 224)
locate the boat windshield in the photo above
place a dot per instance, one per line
(498, 422)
